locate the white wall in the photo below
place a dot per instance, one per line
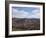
(28, 0)
(2, 19)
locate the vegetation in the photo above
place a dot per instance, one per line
(19, 24)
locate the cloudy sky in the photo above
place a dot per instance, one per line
(26, 12)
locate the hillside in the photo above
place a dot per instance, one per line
(25, 24)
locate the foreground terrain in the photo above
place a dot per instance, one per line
(19, 24)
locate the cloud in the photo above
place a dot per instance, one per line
(19, 14)
(34, 14)
(36, 11)
(23, 14)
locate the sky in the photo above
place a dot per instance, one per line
(25, 12)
